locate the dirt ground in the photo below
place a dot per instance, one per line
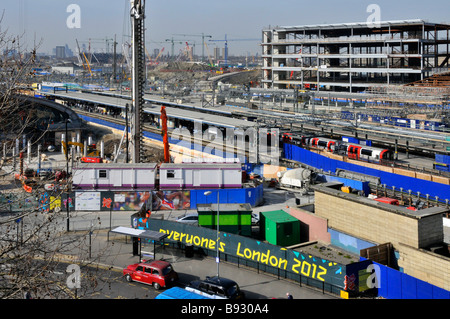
(187, 74)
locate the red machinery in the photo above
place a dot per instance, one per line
(165, 134)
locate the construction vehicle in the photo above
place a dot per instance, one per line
(92, 154)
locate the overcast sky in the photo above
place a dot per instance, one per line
(46, 20)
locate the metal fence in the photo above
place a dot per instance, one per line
(280, 274)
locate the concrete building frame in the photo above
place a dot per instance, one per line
(353, 57)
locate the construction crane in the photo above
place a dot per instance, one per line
(159, 54)
(189, 52)
(154, 62)
(172, 41)
(209, 56)
(82, 57)
(105, 40)
(203, 36)
(88, 65)
(226, 44)
(165, 135)
(126, 53)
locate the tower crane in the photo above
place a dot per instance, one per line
(226, 44)
(203, 36)
(172, 41)
(106, 40)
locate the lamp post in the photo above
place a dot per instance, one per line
(217, 239)
(66, 137)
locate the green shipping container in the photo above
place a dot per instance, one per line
(279, 228)
(233, 218)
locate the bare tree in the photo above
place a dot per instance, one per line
(34, 247)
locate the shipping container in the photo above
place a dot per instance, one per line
(114, 176)
(279, 228)
(200, 175)
(233, 218)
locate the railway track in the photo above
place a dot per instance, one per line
(155, 130)
(245, 152)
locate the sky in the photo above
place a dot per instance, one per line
(45, 22)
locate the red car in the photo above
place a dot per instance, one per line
(158, 273)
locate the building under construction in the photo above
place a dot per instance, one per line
(353, 57)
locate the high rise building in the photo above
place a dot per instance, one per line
(60, 52)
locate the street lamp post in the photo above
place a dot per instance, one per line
(66, 137)
(217, 232)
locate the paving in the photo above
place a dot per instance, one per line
(116, 252)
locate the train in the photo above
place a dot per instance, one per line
(351, 150)
(153, 176)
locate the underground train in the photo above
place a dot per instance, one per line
(351, 150)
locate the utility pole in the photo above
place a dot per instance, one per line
(138, 76)
(115, 62)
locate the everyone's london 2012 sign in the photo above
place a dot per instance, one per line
(248, 248)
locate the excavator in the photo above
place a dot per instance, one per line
(92, 156)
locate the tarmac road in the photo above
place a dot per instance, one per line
(117, 254)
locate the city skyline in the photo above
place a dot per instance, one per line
(48, 23)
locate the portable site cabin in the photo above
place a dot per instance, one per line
(233, 218)
(200, 175)
(114, 176)
(279, 228)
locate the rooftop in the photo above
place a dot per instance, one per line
(364, 25)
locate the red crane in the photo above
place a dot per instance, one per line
(165, 134)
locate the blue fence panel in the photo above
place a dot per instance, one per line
(394, 284)
(409, 287)
(390, 179)
(424, 290)
(439, 293)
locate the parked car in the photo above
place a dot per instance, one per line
(158, 273)
(188, 219)
(216, 288)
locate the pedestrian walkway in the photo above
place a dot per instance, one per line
(256, 286)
